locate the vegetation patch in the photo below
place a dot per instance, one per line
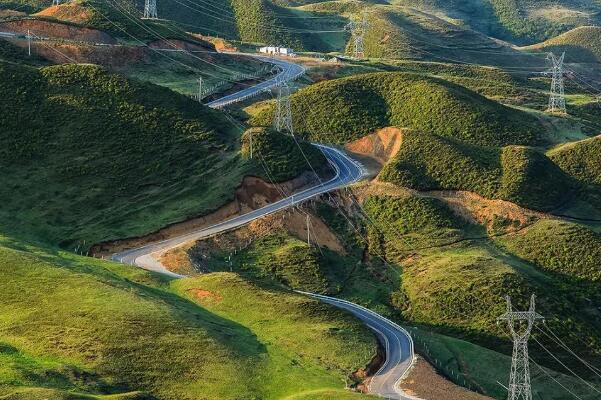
(74, 325)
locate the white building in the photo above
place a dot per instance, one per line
(283, 51)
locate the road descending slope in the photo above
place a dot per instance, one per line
(397, 342)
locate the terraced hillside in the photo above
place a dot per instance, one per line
(343, 110)
(113, 158)
(98, 330)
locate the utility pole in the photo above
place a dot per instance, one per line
(29, 42)
(520, 325)
(250, 134)
(200, 89)
(358, 30)
(56, 2)
(557, 100)
(150, 9)
(283, 111)
(308, 231)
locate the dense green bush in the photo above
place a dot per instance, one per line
(342, 110)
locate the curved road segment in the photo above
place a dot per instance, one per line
(347, 170)
(289, 72)
(397, 343)
(396, 340)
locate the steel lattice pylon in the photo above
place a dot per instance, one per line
(557, 100)
(150, 9)
(283, 111)
(358, 29)
(519, 379)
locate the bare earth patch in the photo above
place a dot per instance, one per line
(205, 295)
(424, 382)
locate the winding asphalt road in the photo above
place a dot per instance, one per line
(289, 72)
(396, 340)
(397, 343)
(348, 171)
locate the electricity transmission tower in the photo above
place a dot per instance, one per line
(150, 9)
(358, 30)
(200, 89)
(520, 325)
(557, 100)
(283, 110)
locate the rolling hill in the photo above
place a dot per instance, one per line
(513, 173)
(80, 328)
(257, 21)
(90, 156)
(342, 110)
(582, 45)
(518, 21)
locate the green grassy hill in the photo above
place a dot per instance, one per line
(343, 110)
(280, 154)
(580, 160)
(518, 174)
(582, 45)
(404, 32)
(79, 328)
(89, 156)
(520, 21)
(569, 249)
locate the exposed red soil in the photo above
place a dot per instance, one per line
(57, 30)
(205, 295)
(71, 12)
(424, 382)
(381, 145)
(252, 194)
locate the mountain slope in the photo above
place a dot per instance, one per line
(91, 156)
(74, 325)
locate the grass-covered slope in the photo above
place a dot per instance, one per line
(581, 45)
(89, 156)
(72, 325)
(346, 109)
(581, 160)
(520, 21)
(514, 173)
(280, 154)
(559, 247)
(257, 21)
(405, 32)
(92, 155)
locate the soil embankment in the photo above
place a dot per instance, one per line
(253, 193)
(57, 30)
